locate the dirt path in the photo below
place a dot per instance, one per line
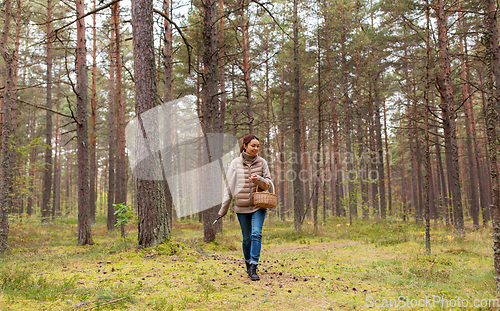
(309, 247)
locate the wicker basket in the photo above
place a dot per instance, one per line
(265, 199)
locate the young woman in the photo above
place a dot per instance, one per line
(244, 175)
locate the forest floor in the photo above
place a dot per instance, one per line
(369, 264)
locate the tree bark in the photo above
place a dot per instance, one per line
(8, 132)
(298, 197)
(473, 184)
(373, 165)
(210, 108)
(84, 230)
(362, 177)
(380, 154)
(448, 110)
(404, 204)
(56, 201)
(389, 187)
(486, 164)
(31, 182)
(282, 151)
(121, 164)
(444, 189)
(492, 119)
(246, 66)
(167, 97)
(223, 57)
(317, 160)
(151, 207)
(93, 109)
(305, 174)
(427, 151)
(111, 219)
(47, 175)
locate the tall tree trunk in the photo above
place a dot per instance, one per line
(317, 160)
(418, 157)
(485, 167)
(246, 65)
(492, 119)
(93, 109)
(152, 210)
(222, 56)
(414, 168)
(373, 165)
(427, 151)
(210, 108)
(111, 219)
(473, 199)
(336, 188)
(267, 146)
(47, 175)
(404, 204)
(442, 176)
(167, 97)
(448, 109)
(282, 151)
(298, 197)
(121, 165)
(19, 202)
(16, 49)
(480, 175)
(8, 132)
(56, 202)
(84, 230)
(380, 153)
(389, 187)
(362, 177)
(31, 178)
(353, 208)
(305, 174)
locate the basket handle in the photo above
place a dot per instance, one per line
(257, 190)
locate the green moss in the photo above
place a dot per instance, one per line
(336, 268)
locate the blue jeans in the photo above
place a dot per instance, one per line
(251, 229)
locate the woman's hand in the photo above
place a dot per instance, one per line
(253, 178)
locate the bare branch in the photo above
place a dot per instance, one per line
(45, 108)
(188, 46)
(272, 16)
(87, 14)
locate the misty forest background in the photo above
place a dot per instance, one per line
(401, 97)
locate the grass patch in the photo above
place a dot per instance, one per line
(22, 283)
(337, 268)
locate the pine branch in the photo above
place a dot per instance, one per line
(45, 108)
(86, 14)
(188, 46)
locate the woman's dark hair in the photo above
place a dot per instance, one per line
(246, 140)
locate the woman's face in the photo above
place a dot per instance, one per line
(253, 147)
